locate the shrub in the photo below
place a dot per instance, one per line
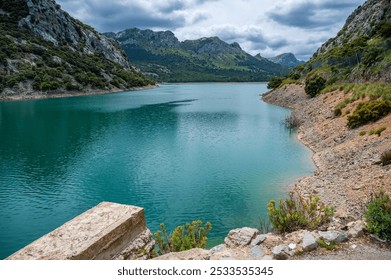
(378, 216)
(380, 130)
(386, 157)
(385, 30)
(297, 212)
(292, 121)
(183, 238)
(370, 111)
(275, 82)
(328, 245)
(362, 133)
(337, 112)
(314, 85)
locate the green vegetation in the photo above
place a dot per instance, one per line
(378, 215)
(205, 60)
(314, 85)
(26, 57)
(292, 121)
(362, 133)
(328, 245)
(377, 131)
(298, 212)
(183, 238)
(370, 111)
(275, 82)
(386, 157)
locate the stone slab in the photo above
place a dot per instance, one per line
(99, 233)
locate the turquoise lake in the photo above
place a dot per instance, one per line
(184, 152)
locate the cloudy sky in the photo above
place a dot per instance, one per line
(268, 27)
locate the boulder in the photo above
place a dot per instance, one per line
(258, 240)
(280, 252)
(257, 252)
(240, 237)
(309, 242)
(355, 229)
(333, 236)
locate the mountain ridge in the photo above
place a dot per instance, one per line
(206, 59)
(45, 51)
(361, 51)
(286, 59)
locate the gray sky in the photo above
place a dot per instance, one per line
(267, 27)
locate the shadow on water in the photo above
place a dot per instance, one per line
(184, 152)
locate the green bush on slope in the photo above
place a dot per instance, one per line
(370, 111)
(183, 238)
(297, 212)
(314, 85)
(378, 216)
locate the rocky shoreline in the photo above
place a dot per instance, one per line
(348, 172)
(60, 94)
(348, 164)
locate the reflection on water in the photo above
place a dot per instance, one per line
(183, 152)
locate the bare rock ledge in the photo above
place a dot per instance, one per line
(107, 231)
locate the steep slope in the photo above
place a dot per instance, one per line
(346, 121)
(161, 55)
(44, 51)
(287, 60)
(362, 49)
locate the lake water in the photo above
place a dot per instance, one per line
(184, 152)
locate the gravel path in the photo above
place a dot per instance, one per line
(361, 249)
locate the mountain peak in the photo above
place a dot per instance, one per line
(286, 59)
(364, 21)
(361, 49)
(44, 50)
(207, 59)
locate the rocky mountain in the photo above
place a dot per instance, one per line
(44, 50)
(287, 60)
(361, 51)
(165, 58)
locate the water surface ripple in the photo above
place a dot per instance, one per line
(213, 152)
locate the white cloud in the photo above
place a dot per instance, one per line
(267, 27)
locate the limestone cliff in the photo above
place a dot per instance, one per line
(44, 51)
(361, 51)
(167, 59)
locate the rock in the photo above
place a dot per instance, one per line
(57, 26)
(292, 246)
(272, 240)
(240, 237)
(258, 240)
(267, 258)
(193, 254)
(280, 252)
(218, 249)
(333, 236)
(106, 231)
(355, 229)
(139, 249)
(356, 188)
(257, 252)
(309, 242)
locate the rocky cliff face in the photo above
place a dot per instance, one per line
(146, 39)
(286, 59)
(362, 22)
(44, 51)
(46, 19)
(162, 55)
(361, 51)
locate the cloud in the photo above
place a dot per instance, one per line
(118, 15)
(311, 14)
(269, 27)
